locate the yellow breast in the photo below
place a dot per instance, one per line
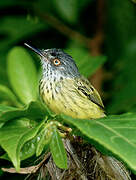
(63, 97)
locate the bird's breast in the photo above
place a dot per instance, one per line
(63, 97)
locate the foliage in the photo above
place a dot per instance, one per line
(123, 39)
(27, 127)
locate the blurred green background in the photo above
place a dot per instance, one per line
(99, 34)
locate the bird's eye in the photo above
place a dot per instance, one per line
(56, 62)
(53, 54)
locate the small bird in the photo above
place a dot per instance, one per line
(64, 89)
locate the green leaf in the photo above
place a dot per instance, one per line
(34, 110)
(14, 29)
(44, 139)
(29, 148)
(7, 95)
(5, 156)
(3, 73)
(17, 28)
(22, 74)
(69, 9)
(115, 133)
(86, 63)
(134, 1)
(121, 52)
(124, 86)
(4, 108)
(58, 150)
(13, 136)
(35, 145)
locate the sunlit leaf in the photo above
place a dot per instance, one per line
(22, 74)
(134, 1)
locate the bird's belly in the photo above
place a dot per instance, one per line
(72, 105)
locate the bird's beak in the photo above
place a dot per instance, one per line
(37, 51)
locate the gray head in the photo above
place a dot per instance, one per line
(56, 62)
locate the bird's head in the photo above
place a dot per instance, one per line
(56, 63)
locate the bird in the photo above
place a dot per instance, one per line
(64, 89)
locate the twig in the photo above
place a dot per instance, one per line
(96, 42)
(96, 45)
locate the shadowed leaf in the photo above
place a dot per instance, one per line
(35, 110)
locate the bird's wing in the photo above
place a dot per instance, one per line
(88, 91)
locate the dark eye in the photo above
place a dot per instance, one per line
(56, 62)
(53, 54)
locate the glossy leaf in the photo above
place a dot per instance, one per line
(35, 110)
(22, 74)
(29, 148)
(13, 136)
(44, 139)
(115, 133)
(58, 150)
